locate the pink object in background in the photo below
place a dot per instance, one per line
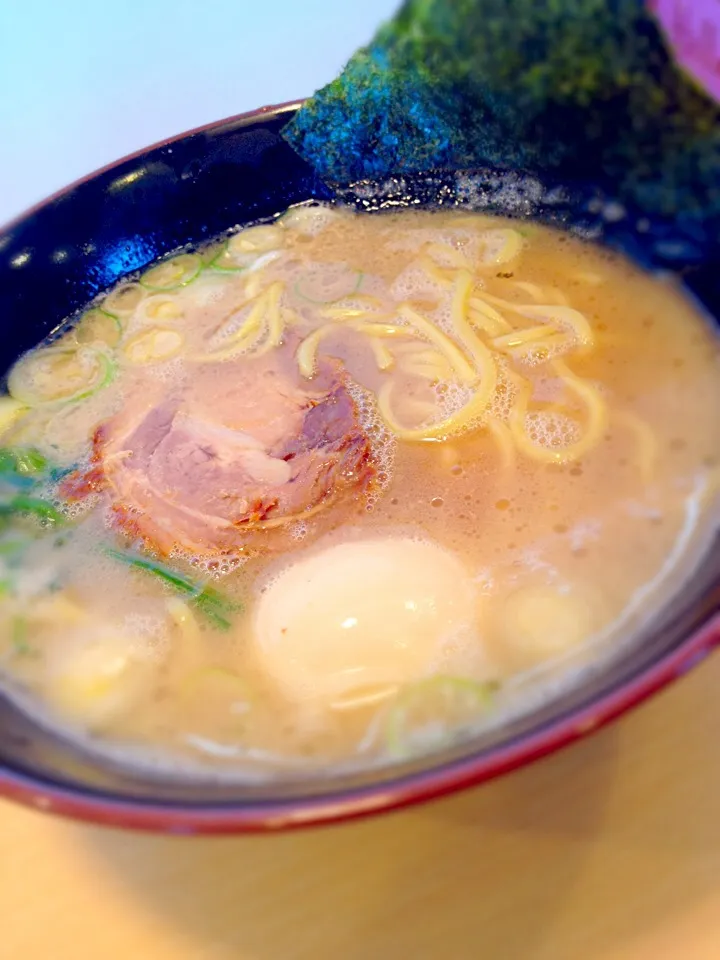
(692, 30)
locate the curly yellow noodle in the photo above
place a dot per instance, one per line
(253, 285)
(239, 346)
(307, 351)
(533, 310)
(561, 317)
(486, 371)
(511, 246)
(245, 338)
(542, 294)
(253, 321)
(469, 355)
(500, 302)
(487, 317)
(472, 410)
(481, 354)
(462, 366)
(276, 324)
(381, 329)
(428, 363)
(369, 306)
(531, 289)
(427, 356)
(520, 337)
(383, 358)
(435, 272)
(597, 418)
(350, 314)
(454, 256)
(427, 371)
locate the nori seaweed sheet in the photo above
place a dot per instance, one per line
(582, 90)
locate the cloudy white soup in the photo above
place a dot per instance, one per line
(342, 489)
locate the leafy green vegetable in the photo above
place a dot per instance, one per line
(21, 468)
(209, 601)
(582, 89)
(25, 461)
(24, 503)
(26, 470)
(25, 474)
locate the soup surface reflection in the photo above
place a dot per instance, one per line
(341, 488)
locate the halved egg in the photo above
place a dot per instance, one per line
(362, 614)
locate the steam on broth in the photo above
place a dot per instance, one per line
(342, 488)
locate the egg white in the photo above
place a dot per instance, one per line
(362, 614)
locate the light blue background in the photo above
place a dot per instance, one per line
(83, 82)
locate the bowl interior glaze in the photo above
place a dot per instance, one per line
(59, 256)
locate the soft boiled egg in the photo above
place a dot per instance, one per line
(363, 615)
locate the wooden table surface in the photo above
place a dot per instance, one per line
(609, 850)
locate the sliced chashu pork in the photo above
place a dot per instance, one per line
(239, 450)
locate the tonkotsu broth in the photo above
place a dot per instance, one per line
(524, 471)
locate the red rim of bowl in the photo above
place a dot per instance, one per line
(351, 804)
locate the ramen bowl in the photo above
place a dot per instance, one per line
(59, 256)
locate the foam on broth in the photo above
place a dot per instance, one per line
(565, 559)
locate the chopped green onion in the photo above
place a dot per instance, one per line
(26, 467)
(124, 300)
(212, 251)
(174, 273)
(255, 240)
(54, 375)
(99, 326)
(208, 600)
(22, 460)
(225, 263)
(23, 467)
(23, 503)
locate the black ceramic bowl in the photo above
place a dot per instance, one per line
(58, 256)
